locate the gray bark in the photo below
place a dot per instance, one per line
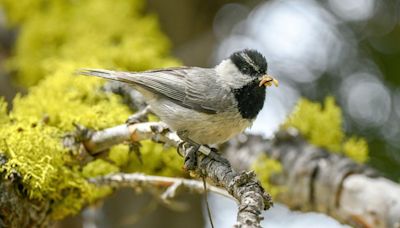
(317, 180)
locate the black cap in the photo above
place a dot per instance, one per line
(250, 62)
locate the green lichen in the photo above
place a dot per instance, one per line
(119, 155)
(99, 167)
(157, 160)
(55, 39)
(71, 99)
(322, 126)
(34, 151)
(265, 168)
(110, 34)
(356, 149)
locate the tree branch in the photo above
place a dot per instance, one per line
(317, 180)
(16, 208)
(242, 186)
(173, 184)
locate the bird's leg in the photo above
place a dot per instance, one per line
(139, 116)
(191, 151)
(191, 158)
(194, 148)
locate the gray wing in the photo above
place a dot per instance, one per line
(191, 87)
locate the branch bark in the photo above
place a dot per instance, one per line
(317, 180)
(242, 186)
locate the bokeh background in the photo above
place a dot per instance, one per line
(316, 48)
(348, 49)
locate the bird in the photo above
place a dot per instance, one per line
(205, 106)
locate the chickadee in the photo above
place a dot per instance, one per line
(205, 105)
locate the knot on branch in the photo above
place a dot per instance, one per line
(75, 142)
(247, 186)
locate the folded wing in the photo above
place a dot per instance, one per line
(191, 87)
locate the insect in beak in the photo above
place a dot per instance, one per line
(267, 80)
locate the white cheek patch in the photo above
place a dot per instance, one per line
(229, 74)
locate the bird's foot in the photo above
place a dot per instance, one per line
(189, 150)
(139, 116)
(191, 158)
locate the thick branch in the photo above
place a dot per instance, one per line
(317, 180)
(242, 186)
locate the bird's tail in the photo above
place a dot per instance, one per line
(108, 74)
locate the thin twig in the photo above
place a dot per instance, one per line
(142, 180)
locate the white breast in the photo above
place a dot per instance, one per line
(200, 127)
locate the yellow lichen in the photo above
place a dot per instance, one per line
(55, 39)
(119, 155)
(110, 34)
(34, 152)
(157, 160)
(322, 126)
(265, 168)
(71, 99)
(99, 167)
(356, 149)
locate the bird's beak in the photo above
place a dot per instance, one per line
(267, 80)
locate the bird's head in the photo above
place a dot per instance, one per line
(245, 74)
(245, 67)
(253, 64)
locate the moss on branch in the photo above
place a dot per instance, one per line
(56, 38)
(323, 126)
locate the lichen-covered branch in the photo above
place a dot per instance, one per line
(242, 186)
(314, 179)
(16, 209)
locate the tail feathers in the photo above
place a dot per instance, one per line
(108, 74)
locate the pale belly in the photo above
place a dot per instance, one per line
(200, 127)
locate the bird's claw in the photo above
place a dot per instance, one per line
(192, 152)
(191, 158)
